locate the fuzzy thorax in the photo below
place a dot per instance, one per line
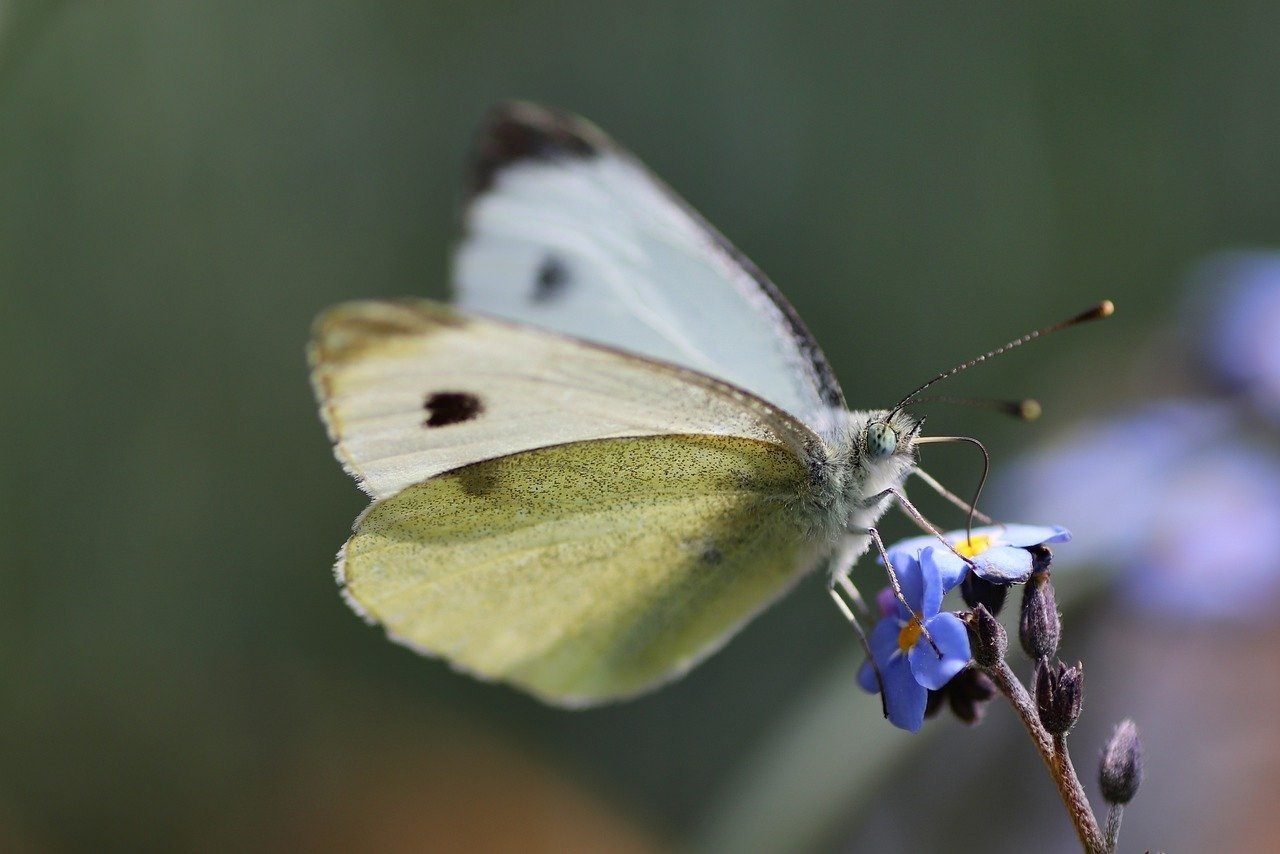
(851, 466)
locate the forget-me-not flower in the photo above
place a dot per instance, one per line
(909, 664)
(998, 552)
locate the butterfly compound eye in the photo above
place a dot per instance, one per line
(881, 440)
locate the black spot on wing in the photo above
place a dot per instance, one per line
(451, 407)
(711, 556)
(521, 131)
(552, 280)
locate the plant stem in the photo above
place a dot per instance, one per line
(1114, 817)
(1053, 750)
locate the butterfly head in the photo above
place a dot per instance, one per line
(876, 452)
(879, 441)
(888, 434)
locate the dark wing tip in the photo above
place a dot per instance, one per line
(519, 130)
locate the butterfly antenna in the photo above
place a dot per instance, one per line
(1103, 309)
(982, 481)
(1027, 409)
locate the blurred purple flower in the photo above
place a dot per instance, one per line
(998, 551)
(1172, 496)
(1213, 547)
(1099, 478)
(909, 666)
(1235, 306)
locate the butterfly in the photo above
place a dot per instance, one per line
(618, 445)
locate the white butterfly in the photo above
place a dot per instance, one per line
(624, 446)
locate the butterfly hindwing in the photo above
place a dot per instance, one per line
(588, 571)
(568, 231)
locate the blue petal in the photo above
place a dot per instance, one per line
(993, 532)
(884, 643)
(907, 569)
(948, 567)
(952, 568)
(1004, 565)
(960, 535)
(883, 639)
(934, 586)
(911, 546)
(952, 638)
(1029, 535)
(904, 697)
(867, 678)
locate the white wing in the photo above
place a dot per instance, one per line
(411, 389)
(568, 231)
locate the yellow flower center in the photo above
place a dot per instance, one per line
(910, 635)
(973, 546)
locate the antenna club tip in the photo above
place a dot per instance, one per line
(1106, 308)
(1029, 409)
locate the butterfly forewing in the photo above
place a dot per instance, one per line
(410, 389)
(568, 231)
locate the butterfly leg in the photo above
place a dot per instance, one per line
(952, 497)
(916, 516)
(852, 592)
(897, 587)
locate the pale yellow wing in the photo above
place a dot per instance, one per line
(410, 389)
(589, 571)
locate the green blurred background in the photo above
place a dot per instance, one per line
(184, 186)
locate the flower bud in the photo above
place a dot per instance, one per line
(934, 701)
(1059, 695)
(970, 694)
(1041, 557)
(976, 591)
(987, 639)
(1120, 771)
(1039, 627)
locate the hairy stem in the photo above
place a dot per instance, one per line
(1053, 750)
(1114, 816)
